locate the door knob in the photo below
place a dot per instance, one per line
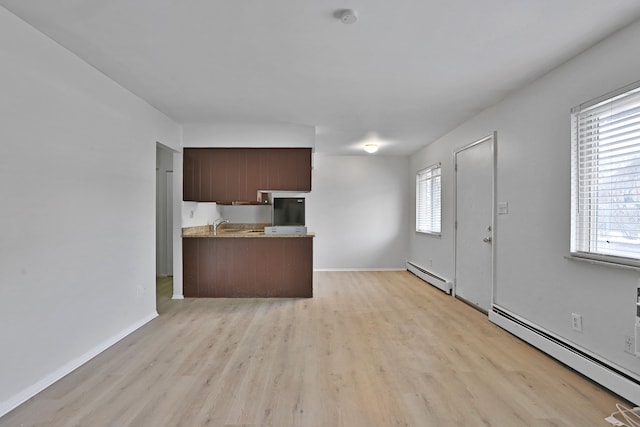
(487, 240)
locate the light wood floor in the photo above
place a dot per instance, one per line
(164, 292)
(370, 349)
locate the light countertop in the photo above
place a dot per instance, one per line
(228, 230)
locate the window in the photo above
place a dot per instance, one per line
(605, 181)
(428, 200)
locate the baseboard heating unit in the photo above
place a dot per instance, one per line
(604, 372)
(429, 277)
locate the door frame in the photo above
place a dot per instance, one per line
(493, 137)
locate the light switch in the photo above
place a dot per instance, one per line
(503, 208)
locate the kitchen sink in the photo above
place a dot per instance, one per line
(239, 230)
(229, 230)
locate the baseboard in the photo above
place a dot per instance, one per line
(358, 269)
(605, 373)
(177, 296)
(69, 367)
(429, 277)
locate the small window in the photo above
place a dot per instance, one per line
(428, 200)
(605, 167)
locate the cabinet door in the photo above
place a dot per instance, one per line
(287, 169)
(204, 172)
(189, 175)
(268, 177)
(233, 168)
(252, 174)
(190, 259)
(201, 172)
(248, 267)
(220, 174)
(298, 171)
(236, 174)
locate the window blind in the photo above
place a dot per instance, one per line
(606, 177)
(428, 199)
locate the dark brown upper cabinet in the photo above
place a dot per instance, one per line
(237, 174)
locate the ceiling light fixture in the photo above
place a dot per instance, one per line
(348, 16)
(370, 147)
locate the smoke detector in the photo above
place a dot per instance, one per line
(348, 16)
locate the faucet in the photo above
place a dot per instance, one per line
(217, 223)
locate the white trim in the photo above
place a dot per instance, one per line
(358, 269)
(429, 233)
(493, 138)
(608, 260)
(177, 296)
(433, 166)
(69, 367)
(607, 378)
(606, 97)
(602, 136)
(177, 223)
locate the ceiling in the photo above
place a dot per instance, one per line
(408, 70)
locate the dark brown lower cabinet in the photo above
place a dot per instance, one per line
(248, 267)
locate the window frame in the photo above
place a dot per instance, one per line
(430, 206)
(583, 223)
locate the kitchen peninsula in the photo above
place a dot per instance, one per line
(242, 261)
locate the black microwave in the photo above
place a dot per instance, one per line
(288, 211)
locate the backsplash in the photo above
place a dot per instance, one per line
(250, 214)
(194, 213)
(200, 213)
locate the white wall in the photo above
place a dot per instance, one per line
(248, 135)
(77, 184)
(533, 278)
(358, 208)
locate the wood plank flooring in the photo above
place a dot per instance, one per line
(164, 290)
(370, 349)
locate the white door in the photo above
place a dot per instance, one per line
(474, 223)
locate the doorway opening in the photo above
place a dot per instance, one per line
(164, 223)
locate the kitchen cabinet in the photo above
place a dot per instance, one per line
(248, 267)
(237, 174)
(286, 169)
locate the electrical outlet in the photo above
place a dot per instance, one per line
(576, 322)
(628, 345)
(614, 421)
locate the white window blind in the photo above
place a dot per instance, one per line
(606, 178)
(428, 200)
